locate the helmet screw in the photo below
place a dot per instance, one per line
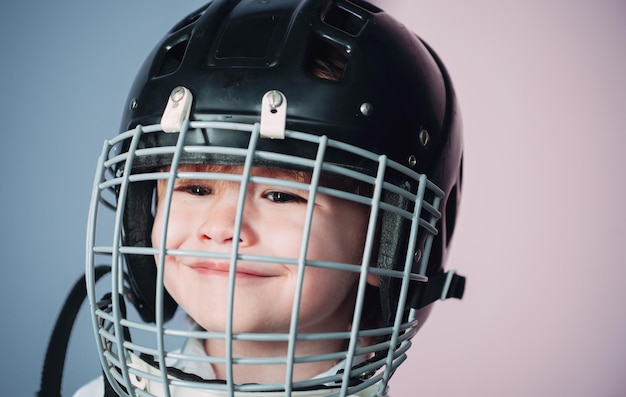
(274, 100)
(177, 94)
(412, 161)
(417, 256)
(133, 104)
(424, 138)
(366, 109)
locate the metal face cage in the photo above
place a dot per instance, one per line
(140, 358)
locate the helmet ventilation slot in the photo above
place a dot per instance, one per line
(345, 20)
(172, 58)
(327, 60)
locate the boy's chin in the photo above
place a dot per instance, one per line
(247, 327)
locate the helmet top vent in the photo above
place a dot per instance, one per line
(172, 58)
(345, 20)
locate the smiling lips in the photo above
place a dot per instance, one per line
(223, 269)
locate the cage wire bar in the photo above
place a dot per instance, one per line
(113, 334)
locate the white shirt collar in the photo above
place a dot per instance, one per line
(194, 347)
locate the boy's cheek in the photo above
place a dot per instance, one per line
(157, 231)
(373, 280)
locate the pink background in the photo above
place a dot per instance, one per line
(542, 223)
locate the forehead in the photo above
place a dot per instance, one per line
(300, 176)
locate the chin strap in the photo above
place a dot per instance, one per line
(441, 287)
(54, 362)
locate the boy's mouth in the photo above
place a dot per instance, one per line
(223, 269)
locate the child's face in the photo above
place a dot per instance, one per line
(202, 218)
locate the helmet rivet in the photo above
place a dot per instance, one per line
(424, 138)
(133, 104)
(412, 161)
(177, 94)
(274, 100)
(366, 109)
(417, 256)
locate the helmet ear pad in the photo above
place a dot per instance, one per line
(142, 270)
(393, 252)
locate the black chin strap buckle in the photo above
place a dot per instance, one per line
(441, 287)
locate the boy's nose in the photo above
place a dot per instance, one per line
(221, 226)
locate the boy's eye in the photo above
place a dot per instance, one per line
(194, 189)
(283, 197)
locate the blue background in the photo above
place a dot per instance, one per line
(66, 69)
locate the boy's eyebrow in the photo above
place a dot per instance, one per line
(328, 181)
